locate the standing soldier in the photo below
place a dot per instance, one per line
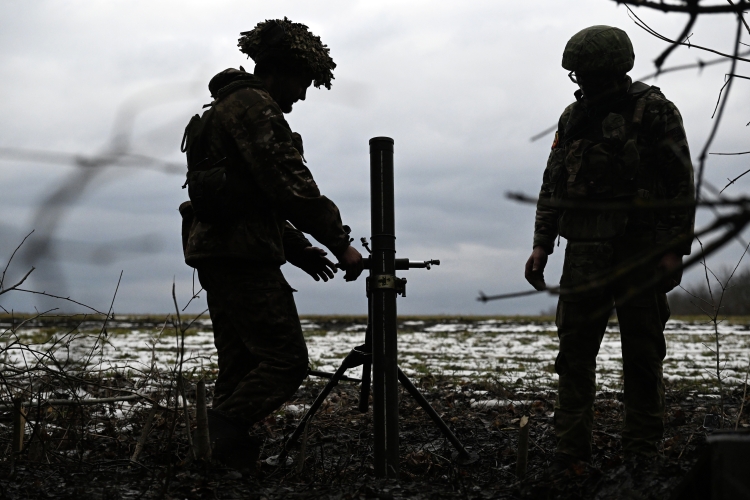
(251, 196)
(620, 141)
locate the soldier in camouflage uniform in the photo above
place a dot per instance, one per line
(251, 197)
(618, 142)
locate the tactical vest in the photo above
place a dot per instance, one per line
(600, 161)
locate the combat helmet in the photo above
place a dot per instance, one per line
(599, 49)
(284, 40)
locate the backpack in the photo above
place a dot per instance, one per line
(215, 185)
(207, 183)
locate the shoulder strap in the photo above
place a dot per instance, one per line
(640, 91)
(234, 87)
(193, 140)
(576, 123)
(638, 88)
(640, 107)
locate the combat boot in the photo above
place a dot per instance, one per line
(231, 444)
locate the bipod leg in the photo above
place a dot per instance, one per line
(364, 391)
(462, 455)
(311, 411)
(353, 359)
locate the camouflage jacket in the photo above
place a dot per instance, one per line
(249, 134)
(634, 148)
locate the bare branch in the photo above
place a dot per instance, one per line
(646, 28)
(636, 204)
(742, 16)
(735, 222)
(715, 128)
(15, 287)
(732, 181)
(2, 278)
(718, 100)
(700, 65)
(690, 7)
(68, 299)
(683, 38)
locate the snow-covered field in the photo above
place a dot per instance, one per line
(511, 351)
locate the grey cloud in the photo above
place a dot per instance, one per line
(461, 87)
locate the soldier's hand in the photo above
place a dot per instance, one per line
(351, 262)
(535, 268)
(671, 265)
(313, 261)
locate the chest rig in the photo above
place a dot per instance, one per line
(600, 158)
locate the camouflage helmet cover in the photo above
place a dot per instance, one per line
(600, 49)
(283, 39)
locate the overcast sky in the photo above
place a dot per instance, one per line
(460, 86)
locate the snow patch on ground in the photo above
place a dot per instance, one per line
(507, 351)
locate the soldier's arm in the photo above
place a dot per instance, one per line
(300, 252)
(295, 242)
(265, 140)
(674, 180)
(545, 224)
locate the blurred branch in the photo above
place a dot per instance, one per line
(693, 5)
(94, 161)
(742, 16)
(544, 132)
(736, 222)
(635, 204)
(117, 152)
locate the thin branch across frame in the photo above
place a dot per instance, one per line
(639, 22)
(687, 8)
(680, 67)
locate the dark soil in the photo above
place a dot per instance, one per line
(84, 452)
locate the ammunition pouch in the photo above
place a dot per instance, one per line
(604, 169)
(210, 195)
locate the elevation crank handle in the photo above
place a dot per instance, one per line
(405, 264)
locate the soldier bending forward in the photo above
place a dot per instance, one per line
(251, 196)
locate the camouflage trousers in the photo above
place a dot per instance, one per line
(262, 354)
(581, 321)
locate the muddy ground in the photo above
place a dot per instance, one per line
(84, 453)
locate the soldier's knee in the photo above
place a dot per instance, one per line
(295, 370)
(561, 364)
(300, 370)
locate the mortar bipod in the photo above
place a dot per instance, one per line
(362, 356)
(379, 354)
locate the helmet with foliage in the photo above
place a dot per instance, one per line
(283, 40)
(599, 49)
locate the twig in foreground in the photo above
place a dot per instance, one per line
(7, 264)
